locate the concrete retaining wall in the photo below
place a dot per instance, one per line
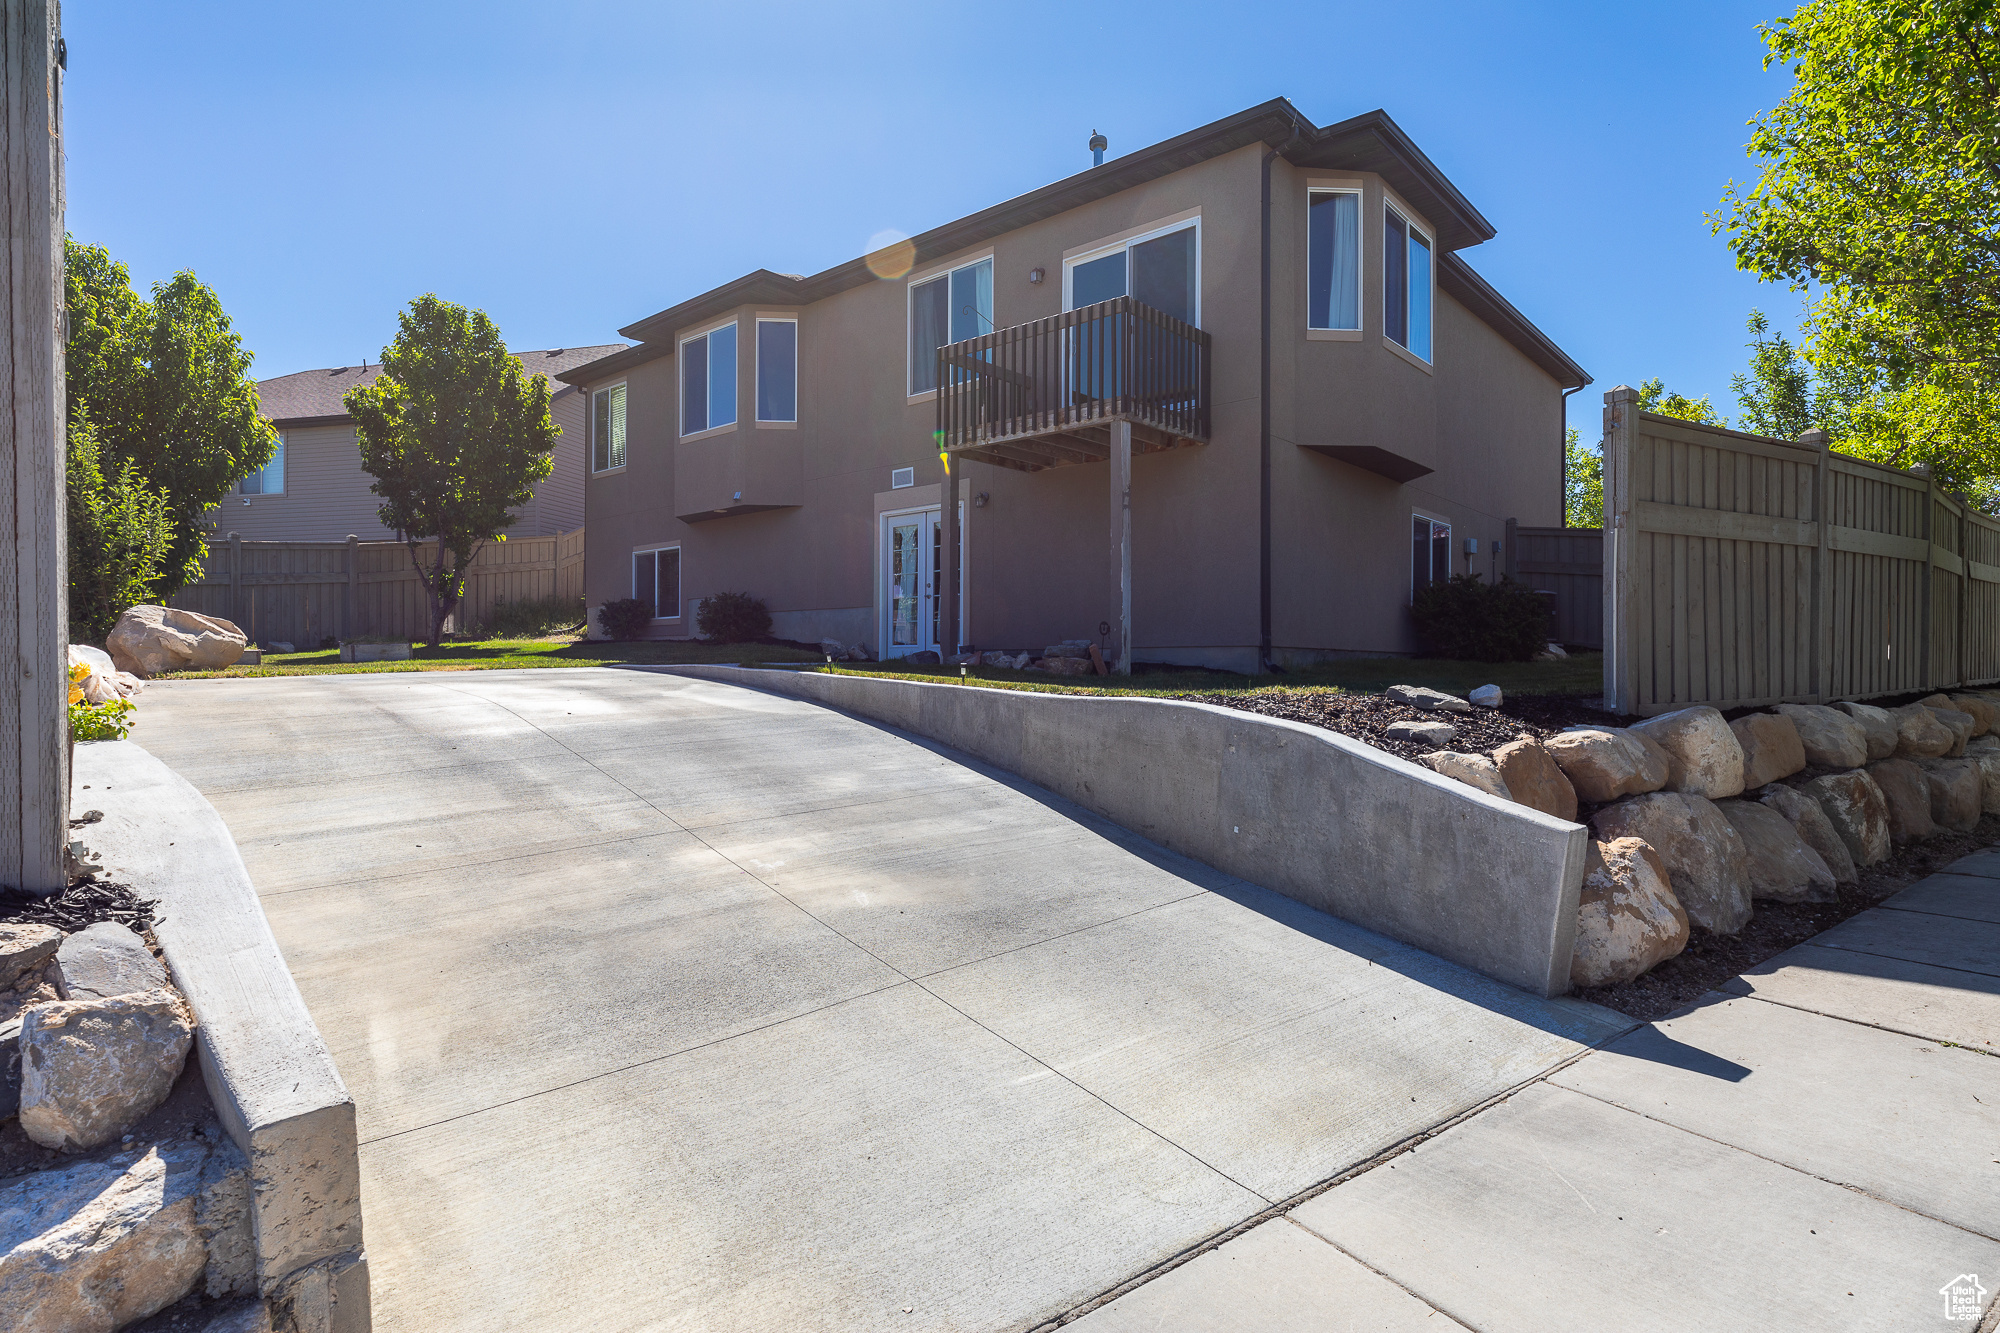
(268, 1071)
(1338, 825)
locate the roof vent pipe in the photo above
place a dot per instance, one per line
(1098, 143)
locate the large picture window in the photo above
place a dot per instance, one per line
(656, 581)
(777, 370)
(607, 429)
(1333, 259)
(708, 380)
(268, 479)
(949, 308)
(1406, 284)
(1430, 552)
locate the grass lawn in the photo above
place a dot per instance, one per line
(489, 654)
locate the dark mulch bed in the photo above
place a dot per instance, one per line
(82, 904)
(1366, 717)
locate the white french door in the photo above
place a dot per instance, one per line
(912, 560)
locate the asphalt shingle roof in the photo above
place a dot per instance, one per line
(315, 394)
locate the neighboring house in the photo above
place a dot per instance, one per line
(782, 435)
(314, 489)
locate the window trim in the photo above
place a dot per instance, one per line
(590, 432)
(277, 457)
(1360, 193)
(757, 387)
(1436, 522)
(1111, 245)
(917, 279)
(680, 589)
(680, 382)
(1415, 228)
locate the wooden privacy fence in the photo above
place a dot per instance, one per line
(302, 592)
(1568, 562)
(1743, 571)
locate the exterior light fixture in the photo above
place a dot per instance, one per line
(979, 500)
(1035, 275)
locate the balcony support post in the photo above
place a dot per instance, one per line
(1121, 540)
(950, 545)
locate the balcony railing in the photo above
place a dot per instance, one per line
(1045, 393)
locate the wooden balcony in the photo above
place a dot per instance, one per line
(1047, 393)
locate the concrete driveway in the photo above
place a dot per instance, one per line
(674, 1005)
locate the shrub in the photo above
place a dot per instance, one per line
(733, 617)
(534, 617)
(1473, 621)
(120, 530)
(626, 618)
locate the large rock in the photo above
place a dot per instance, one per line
(1771, 748)
(1959, 724)
(1908, 794)
(1919, 734)
(104, 960)
(1876, 724)
(1831, 738)
(251, 1317)
(1474, 770)
(1704, 856)
(150, 639)
(91, 1068)
(1605, 763)
(10, 1069)
(1703, 754)
(1628, 919)
(1487, 696)
(1422, 730)
(1988, 762)
(1783, 868)
(24, 946)
(1985, 714)
(1535, 779)
(1811, 824)
(97, 1245)
(1858, 811)
(1956, 792)
(1433, 701)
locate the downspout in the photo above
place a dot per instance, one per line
(1264, 438)
(1562, 434)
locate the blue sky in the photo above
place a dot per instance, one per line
(573, 167)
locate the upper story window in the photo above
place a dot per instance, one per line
(708, 380)
(607, 429)
(947, 309)
(777, 370)
(1161, 268)
(1333, 259)
(1406, 283)
(268, 479)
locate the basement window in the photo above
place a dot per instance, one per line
(656, 580)
(1430, 552)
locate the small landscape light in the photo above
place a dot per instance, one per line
(961, 673)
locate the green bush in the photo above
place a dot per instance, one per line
(733, 617)
(120, 530)
(535, 617)
(1469, 620)
(626, 618)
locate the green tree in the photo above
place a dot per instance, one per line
(120, 533)
(1778, 393)
(166, 386)
(1654, 398)
(455, 435)
(1583, 482)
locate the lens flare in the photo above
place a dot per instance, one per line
(891, 255)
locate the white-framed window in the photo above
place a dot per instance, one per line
(1161, 268)
(656, 580)
(902, 476)
(1406, 283)
(777, 369)
(1333, 259)
(1430, 552)
(708, 379)
(948, 308)
(268, 479)
(607, 428)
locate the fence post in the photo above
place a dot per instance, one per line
(1822, 638)
(350, 596)
(1621, 677)
(1927, 608)
(236, 580)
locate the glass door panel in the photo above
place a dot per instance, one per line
(908, 583)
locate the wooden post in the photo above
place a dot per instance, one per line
(1822, 614)
(1621, 672)
(34, 624)
(1121, 540)
(350, 596)
(946, 593)
(236, 580)
(1928, 606)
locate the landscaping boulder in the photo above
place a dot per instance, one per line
(96, 1245)
(1858, 811)
(1830, 738)
(249, 1317)
(1063, 666)
(1474, 770)
(1605, 763)
(104, 960)
(24, 946)
(1535, 779)
(1908, 794)
(1960, 725)
(91, 1068)
(1704, 856)
(1487, 696)
(150, 639)
(10, 1069)
(1919, 734)
(1782, 867)
(1431, 701)
(1429, 733)
(1985, 713)
(1811, 824)
(1988, 763)
(1771, 748)
(1703, 754)
(1956, 792)
(1628, 919)
(1876, 723)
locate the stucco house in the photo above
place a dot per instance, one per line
(1222, 401)
(313, 489)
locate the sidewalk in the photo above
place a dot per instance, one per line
(1814, 1148)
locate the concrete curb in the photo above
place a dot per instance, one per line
(268, 1071)
(1341, 826)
